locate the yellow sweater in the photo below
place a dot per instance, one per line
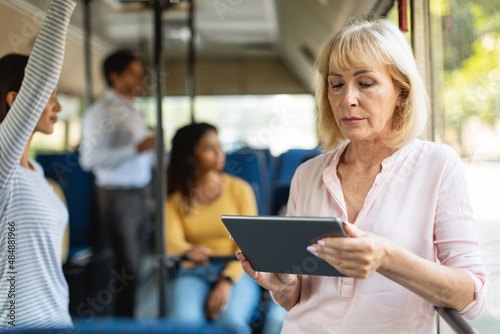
(203, 225)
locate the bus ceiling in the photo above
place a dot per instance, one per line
(242, 47)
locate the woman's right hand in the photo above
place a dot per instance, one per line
(271, 281)
(198, 254)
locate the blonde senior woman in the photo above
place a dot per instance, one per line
(412, 242)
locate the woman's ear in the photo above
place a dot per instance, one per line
(400, 99)
(113, 76)
(10, 98)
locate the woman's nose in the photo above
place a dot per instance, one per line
(220, 152)
(351, 96)
(57, 106)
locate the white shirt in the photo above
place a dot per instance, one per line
(112, 129)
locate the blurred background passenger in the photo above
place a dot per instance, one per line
(199, 192)
(33, 290)
(117, 148)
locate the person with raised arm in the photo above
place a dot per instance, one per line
(33, 290)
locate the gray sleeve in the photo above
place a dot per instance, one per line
(40, 80)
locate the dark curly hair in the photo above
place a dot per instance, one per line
(11, 77)
(181, 169)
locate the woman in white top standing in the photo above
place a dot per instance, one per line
(33, 290)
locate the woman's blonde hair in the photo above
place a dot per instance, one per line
(363, 44)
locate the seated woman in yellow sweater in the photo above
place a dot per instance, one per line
(199, 192)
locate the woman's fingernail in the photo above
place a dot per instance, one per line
(312, 249)
(321, 242)
(345, 222)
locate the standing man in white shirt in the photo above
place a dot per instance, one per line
(117, 148)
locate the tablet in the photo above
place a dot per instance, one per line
(278, 244)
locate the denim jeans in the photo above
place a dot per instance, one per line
(192, 286)
(273, 319)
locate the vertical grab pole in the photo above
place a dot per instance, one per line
(191, 76)
(421, 43)
(88, 57)
(403, 15)
(159, 146)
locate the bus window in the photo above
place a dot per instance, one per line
(277, 122)
(466, 115)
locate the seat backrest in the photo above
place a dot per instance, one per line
(251, 166)
(289, 161)
(286, 165)
(79, 188)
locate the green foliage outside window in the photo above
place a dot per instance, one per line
(470, 60)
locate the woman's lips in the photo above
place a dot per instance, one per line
(351, 120)
(54, 119)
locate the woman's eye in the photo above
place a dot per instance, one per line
(366, 84)
(335, 85)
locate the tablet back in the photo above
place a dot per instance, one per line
(278, 244)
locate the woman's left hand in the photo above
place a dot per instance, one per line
(218, 299)
(358, 257)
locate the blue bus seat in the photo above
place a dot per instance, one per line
(289, 161)
(81, 268)
(79, 188)
(108, 325)
(271, 162)
(286, 165)
(251, 166)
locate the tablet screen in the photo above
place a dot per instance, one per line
(278, 244)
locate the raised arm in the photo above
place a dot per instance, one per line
(41, 76)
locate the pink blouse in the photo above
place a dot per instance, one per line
(420, 201)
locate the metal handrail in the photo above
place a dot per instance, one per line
(216, 259)
(455, 320)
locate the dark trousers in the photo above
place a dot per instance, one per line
(124, 213)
